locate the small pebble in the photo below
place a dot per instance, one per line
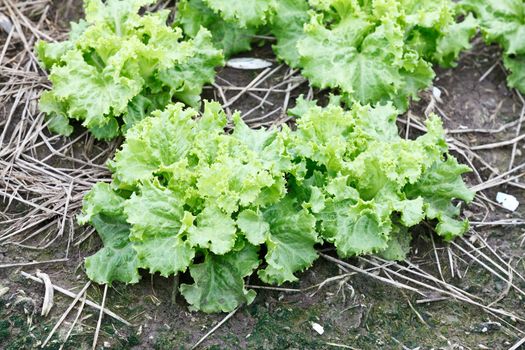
(248, 63)
(318, 328)
(508, 201)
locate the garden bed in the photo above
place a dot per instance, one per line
(467, 294)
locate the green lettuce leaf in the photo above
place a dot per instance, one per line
(370, 52)
(455, 40)
(287, 27)
(516, 67)
(362, 188)
(154, 211)
(438, 186)
(155, 143)
(90, 95)
(290, 242)
(368, 74)
(215, 230)
(219, 280)
(228, 36)
(354, 229)
(398, 246)
(56, 114)
(117, 260)
(379, 51)
(502, 22)
(50, 54)
(187, 78)
(167, 255)
(244, 13)
(254, 226)
(101, 199)
(180, 186)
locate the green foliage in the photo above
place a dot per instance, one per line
(503, 22)
(516, 66)
(219, 280)
(118, 66)
(454, 41)
(245, 13)
(287, 27)
(371, 52)
(379, 51)
(188, 196)
(231, 38)
(179, 185)
(369, 183)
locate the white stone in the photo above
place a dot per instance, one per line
(248, 63)
(318, 328)
(437, 94)
(507, 201)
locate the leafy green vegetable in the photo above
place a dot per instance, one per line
(245, 13)
(454, 41)
(219, 280)
(441, 183)
(379, 51)
(516, 66)
(234, 24)
(186, 195)
(116, 260)
(366, 182)
(180, 184)
(287, 27)
(228, 36)
(118, 66)
(370, 51)
(503, 22)
(290, 242)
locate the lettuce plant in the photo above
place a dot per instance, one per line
(503, 22)
(366, 185)
(184, 190)
(369, 51)
(186, 195)
(118, 66)
(379, 51)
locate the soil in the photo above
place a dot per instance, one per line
(356, 313)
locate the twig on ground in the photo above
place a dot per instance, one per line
(515, 146)
(217, 326)
(341, 346)
(518, 344)
(73, 295)
(101, 314)
(79, 312)
(3, 266)
(64, 315)
(382, 279)
(486, 74)
(498, 144)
